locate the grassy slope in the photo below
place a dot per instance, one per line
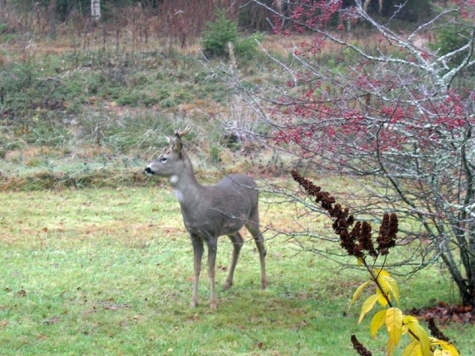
(102, 130)
(108, 271)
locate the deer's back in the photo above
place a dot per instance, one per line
(240, 185)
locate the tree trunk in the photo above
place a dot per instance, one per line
(52, 19)
(96, 9)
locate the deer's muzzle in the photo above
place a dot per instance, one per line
(148, 171)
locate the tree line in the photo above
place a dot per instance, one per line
(250, 16)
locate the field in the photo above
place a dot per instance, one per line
(95, 257)
(109, 272)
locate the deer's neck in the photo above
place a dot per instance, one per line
(185, 185)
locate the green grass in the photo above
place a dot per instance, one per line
(109, 272)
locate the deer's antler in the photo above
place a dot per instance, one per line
(183, 133)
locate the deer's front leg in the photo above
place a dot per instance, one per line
(212, 249)
(197, 243)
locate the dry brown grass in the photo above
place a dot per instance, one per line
(288, 44)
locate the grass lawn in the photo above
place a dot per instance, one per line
(109, 272)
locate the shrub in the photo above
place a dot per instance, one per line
(357, 239)
(449, 38)
(218, 34)
(222, 31)
(247, 47)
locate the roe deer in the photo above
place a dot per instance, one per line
(211, 211)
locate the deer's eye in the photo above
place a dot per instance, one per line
(163, 159)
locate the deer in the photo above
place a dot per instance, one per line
(210, 212)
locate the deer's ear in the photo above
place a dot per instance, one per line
(175, 143)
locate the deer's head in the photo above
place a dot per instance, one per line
(171, 162)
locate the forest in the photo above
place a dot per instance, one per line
(167, 16)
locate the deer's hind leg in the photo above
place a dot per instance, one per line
(197, 243)
(237, 241)
(253, 226)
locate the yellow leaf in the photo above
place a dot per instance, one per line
(442, 353)
(417, 331)
(413, 349)
(447, 348)
(394, 324)
(359, 261)
(378, 320)
(389, 286)
(381, 272)
(407, 321)
(357, 293)
(424, 341)
(405, 329)
(382, 300)
(390, 347)
(367, 306)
